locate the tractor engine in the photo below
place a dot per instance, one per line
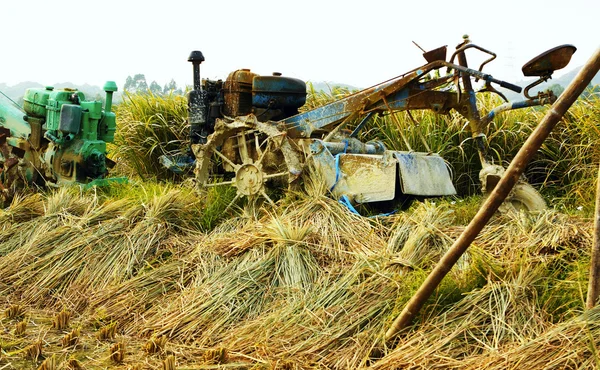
(269, 98)
(243, 93)
(58, 137)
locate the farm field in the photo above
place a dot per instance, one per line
(154, 274)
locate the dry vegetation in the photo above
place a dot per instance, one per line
(153, 276)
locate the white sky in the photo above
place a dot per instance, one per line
(355, 42)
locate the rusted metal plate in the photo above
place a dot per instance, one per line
(436, 54)
(424, 174)
(366, 178)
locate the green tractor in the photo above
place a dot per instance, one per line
(57, 137)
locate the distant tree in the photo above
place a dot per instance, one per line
(128, 83)
(136, 84)
(171, 88)
(557, 89)
(155, 88)
(172, 85)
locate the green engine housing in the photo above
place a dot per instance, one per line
(61, 136)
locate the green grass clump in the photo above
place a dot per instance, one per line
(317, 98)
(149, 126)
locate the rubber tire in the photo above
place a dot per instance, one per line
(525, 197)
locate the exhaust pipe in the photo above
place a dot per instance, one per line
(196, 103)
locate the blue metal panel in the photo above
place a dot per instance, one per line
(318, 118)
(396, 101)
(278, 92)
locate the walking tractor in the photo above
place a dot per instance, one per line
(247, 131)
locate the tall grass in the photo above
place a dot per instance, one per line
(149, 126)
(316, 98)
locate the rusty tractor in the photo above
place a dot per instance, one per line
(247, 131)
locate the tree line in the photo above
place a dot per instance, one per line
(138, 85)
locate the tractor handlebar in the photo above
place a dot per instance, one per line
(508, 85)
(485, 77)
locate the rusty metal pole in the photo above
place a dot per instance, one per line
(500, 192)
(594, 284)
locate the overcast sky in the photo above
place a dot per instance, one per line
(355, 42)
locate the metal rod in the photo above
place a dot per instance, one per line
(500, 192)
(417, 45)
(361, 124)
(594, 284)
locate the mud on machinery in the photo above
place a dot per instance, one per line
(247, 131)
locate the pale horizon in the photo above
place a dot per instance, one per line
(350, 42)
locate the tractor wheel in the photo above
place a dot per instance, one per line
(244, 153)
(524, 197)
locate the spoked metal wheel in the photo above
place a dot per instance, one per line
(246, 164)
(244, 154)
